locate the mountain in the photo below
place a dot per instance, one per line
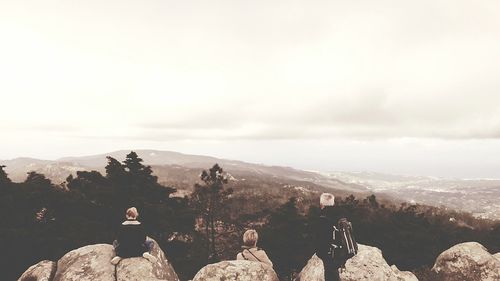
(158, 158)
(150, 157)
(55, 170)
(180, 170)
(480, 197)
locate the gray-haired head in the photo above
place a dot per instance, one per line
(326, 200)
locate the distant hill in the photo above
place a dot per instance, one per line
(57, 171)
(176, 169)
(479, 197)
(150, 157)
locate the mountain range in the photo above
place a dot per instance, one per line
(480, 197)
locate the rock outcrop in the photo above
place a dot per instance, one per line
(237, 270)
(368, 264)
(467, 261)
(88, 263)
(91, 263)
(42, 271)
(129, 269)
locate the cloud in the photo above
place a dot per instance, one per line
(266, 70)
(373, 115)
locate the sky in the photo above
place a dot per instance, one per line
(405, 87)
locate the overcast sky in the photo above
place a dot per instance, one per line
(392, 86)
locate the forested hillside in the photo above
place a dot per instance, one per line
(43, 221)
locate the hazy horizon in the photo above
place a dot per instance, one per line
(256, 161)
(388, 86)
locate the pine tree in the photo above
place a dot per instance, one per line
(115, 171)
(372, 200)
(209, 199)
(4, 179)
(69, 179)
(286, 235)
(138, 172)
(37, 179)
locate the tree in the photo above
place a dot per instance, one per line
(37, 179)
(4, 179)
(286, 237)
(372, 201)
(209, 199)
(138, 172)
(85, 180)
(115, 171)
(351, 201)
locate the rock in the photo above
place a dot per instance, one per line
(313, 270)
(368, 264)
(236, 270)
(403, 275)
(42, 271)
(141, 269)
(467, 261)
(88, 263)
(92, 263)
(497, 255)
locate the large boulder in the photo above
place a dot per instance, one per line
(42, 271)
(88, 263)
(236, 270)
(133, 268)
(313, 270)
(467, 261)
(368, 264)
(91, 263)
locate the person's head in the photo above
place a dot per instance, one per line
(326, 200)
(250, 238)
(132, 213)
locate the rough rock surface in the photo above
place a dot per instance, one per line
(467, 261)
(238, 270)
(132, 268)
(88, 263)
(497, 255)
(368, 264)
(42, 271)
(91, 263)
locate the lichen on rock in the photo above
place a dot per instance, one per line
(42, 271)
(92, 262)
(236, 270)
(368, 264)
(467, 261)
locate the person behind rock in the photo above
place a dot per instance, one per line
(131, 239)
(324, 238)
(250, 251)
